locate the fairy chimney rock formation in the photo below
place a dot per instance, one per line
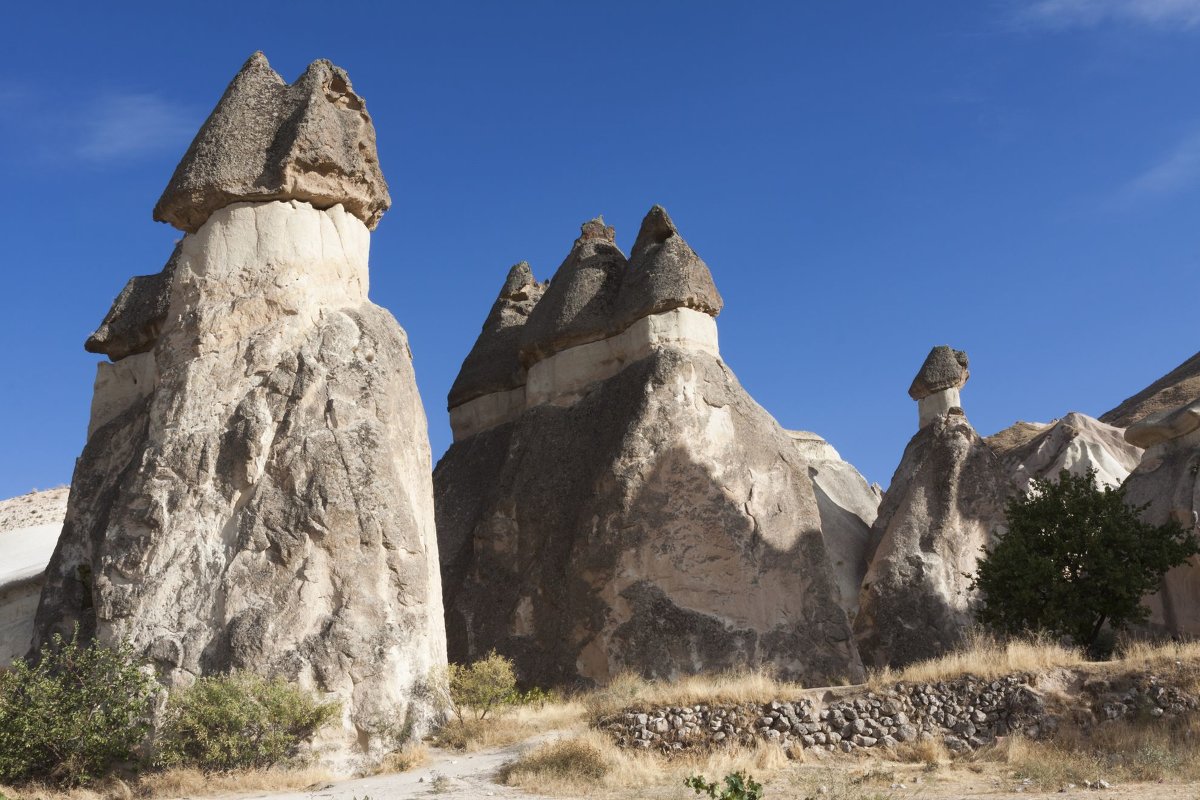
(311, 140)
(546, 343)
(255, 489)
(936, 387)
(619, 502)
(945, 503)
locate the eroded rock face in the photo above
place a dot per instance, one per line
(579, 306)
(267, 505)
(945, 502)
(255, 491)
(494, 363)
(311, 140)
(136, 318)
(1075, 443)
(636, 509)
(936, 386)
(1179, 387)
(1167, 480)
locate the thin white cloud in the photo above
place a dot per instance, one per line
(1163, 14)
(124, 126)
(1177, 171)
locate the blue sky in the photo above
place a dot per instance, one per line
(865, 179)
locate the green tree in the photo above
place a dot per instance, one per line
(75, 714)
(1075, 557)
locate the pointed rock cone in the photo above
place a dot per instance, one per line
(664, 273)
(578, 307)
(266, 140)
(494, 363)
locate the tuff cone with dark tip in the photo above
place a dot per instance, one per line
(944, 368)
(255, 491)
(311, 140)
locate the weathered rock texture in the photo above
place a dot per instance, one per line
(255, 492)
(1179, 387)
(29, 528)
(634, 508)
(1167, 480)
(935, 388)
(1075, 443)
(944, 504)
(312, 140)
(494, 363)
(136, 318)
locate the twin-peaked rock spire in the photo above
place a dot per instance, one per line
(310, 140)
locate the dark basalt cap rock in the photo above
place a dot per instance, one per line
(944, 368)
(136, 318)
(579, 306)
(267, 140)
(494, 363)
(664, 273)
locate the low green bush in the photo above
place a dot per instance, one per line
(483, 687)
(239, 721)
(72, 716)
(738, 786)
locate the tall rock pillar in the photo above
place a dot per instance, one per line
(255, 492)
(945, 500)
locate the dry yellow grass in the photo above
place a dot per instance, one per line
(194, 783)
(510, 725)
(177, 783)
(986, 657)
(408, 758)
(627, 690)
(589, 763)
(924, 751)
(1122, 751)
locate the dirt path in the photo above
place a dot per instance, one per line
(446, 775)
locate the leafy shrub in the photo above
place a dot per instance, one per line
(738, 786)
(239, 721)
(534, 698)
(75, 714)
(483, 687)
(1075, 558)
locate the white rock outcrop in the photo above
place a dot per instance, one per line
(1076, 443)
(255, 491)
(29, 529)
